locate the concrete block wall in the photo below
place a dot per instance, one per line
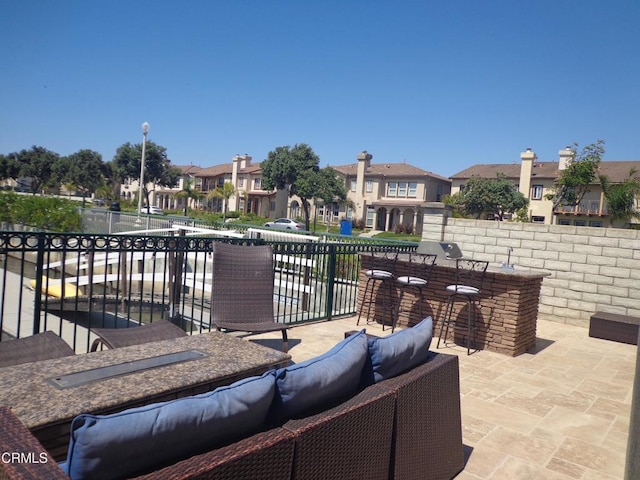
(590, 269)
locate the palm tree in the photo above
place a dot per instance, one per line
(188, 193)
(225, 192)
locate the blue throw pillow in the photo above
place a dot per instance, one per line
(142, 439)
(400, 351)
(320, 381)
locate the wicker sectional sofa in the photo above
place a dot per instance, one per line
(407, 426)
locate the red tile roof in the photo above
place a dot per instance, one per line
(388, 170)
(189, 169)
(617, 171)
(216, 170)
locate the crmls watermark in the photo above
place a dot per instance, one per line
(22, 457)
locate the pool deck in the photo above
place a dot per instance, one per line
(559, 412)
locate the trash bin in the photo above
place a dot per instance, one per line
(345, 227)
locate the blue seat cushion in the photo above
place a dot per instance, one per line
(146, 438)
(400, 351)
(321, 381)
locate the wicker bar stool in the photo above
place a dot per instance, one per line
(469, 279)
(420, 267)
(380, 275)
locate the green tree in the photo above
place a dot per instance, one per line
(9, 167)
(330, 188)
(495, 196)
(86, 171)
(621, 197)
(188, 193)
(224, 192)
(61, 175)
(573, 182)
(157, 167)
(293, 169)
(297, 169)
(36, 164)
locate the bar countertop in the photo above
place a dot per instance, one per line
(515, 271)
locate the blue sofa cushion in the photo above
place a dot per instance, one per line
(145, 438)
(320, 381)
(400, 351)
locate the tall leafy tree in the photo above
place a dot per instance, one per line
(9, 166)
(157, 166)
(60, 174)
(36, 164)
(573, 182)
(293, 169)
(495, 196)
(621, 197)
(329, 188)
(297, 169)
(86, 171)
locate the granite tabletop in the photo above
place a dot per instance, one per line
(32, 395)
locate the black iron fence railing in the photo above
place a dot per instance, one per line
(72, 283)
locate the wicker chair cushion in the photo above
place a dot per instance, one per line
(145, 438)
(320, 381)
(400, 351)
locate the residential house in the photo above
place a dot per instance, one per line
(249, 196)
(389, 195)
(159, 196)
(535, 179)
(165, 197)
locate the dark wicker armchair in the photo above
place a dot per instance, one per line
(242, 290)
(124, 337)
(41, 346)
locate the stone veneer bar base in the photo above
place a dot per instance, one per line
(506, 318)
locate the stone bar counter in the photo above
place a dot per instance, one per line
(506, 316)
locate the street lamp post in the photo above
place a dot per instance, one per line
(145, 130)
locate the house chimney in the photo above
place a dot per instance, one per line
(566, 157)
(364, 162)
(238, 163)
(526, 169)
(364, 157)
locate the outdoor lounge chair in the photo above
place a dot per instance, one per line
(123, 337)
(242, 290)
(41, 346)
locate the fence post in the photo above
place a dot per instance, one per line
(37, 302)
(176, 277)
(306, 278)
(331, 278)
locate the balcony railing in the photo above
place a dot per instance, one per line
(72, 283)
(583, 208)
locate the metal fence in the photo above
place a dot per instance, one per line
(72, 283)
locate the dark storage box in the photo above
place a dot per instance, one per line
(611, 326)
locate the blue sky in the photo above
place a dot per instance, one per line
(441, 85)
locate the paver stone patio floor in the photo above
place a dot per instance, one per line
(558, 412)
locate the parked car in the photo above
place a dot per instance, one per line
(285, 223)
(152, 210)
(114, 207)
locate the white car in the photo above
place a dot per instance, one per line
(152, 210)
(285, 223)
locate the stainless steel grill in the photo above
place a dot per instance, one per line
(444, 250)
